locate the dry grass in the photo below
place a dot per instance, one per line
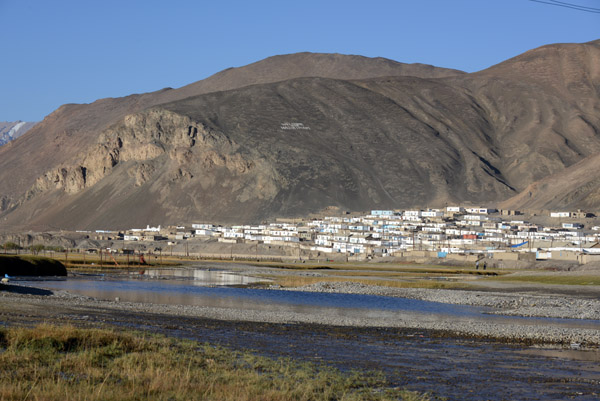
(396, 276)
(408, 274)
(298, 281)
(93, 261)
(66, 363)
(383, 269)
(554, 279)
(392, 266)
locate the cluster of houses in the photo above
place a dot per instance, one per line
(439, 233)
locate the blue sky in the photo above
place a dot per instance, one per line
(77, 51)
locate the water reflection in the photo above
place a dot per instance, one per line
(204, 277)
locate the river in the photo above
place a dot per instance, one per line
(444, 366)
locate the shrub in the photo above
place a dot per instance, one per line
(11, 246)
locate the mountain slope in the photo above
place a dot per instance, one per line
(376, 134)
(73, 127)
(286, 148)
(576, 187)
(543, 108)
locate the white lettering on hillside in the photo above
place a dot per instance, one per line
(293, 126)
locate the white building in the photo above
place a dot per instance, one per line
(413, 213)
(479, 210)
(382, 212)
(432, 213)
(204, 233)
(203, 226)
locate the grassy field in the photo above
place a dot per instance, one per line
(67, 363)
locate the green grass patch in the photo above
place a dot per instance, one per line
(67, 363)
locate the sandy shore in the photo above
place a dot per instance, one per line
(29, 305)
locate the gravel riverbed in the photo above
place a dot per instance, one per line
(510, 304)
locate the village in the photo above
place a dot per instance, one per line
(459, 234)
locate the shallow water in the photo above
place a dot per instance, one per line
(185, 292)
(214, 290)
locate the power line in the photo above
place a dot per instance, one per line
(578, 6)
(569, 5)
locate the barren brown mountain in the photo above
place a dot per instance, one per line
(293, 134)
(576, 187)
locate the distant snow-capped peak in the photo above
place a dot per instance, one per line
(12, 130)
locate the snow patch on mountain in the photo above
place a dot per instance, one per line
(12, 130)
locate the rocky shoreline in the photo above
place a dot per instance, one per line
(18, 298)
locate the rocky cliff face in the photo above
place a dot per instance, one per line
(151, 145)
(138, 142)
(167, 155)
(295, 146)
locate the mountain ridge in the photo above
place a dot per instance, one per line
(73, 126)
